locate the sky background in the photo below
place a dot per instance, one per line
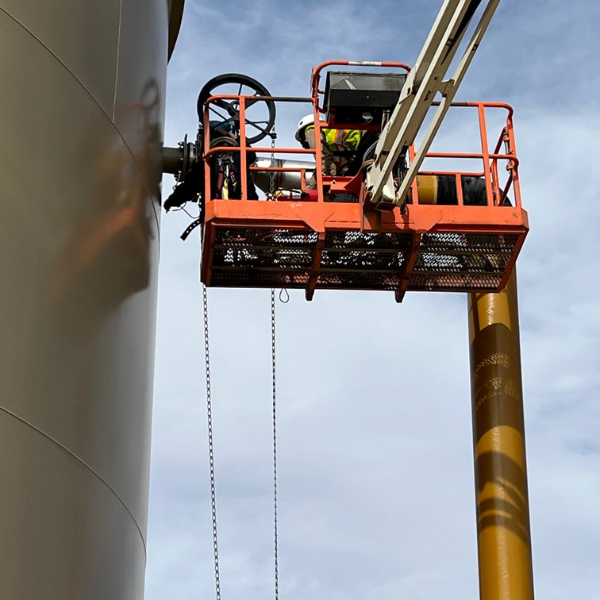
(376, 490)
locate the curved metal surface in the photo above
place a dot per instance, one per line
(286, 180)
(80, 153)
(503, 531)
(175, 18)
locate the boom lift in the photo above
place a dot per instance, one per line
(390, 225)
(422, 86)
(387, 224)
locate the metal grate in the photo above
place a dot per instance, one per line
(356, 260)
(257, 278)
(482, 242)
(277, 238)
(269, 257)
(244, 257)
(346, 240)
(461, 261)
(257, 258)
(357, 280)
(455, 282)
(362, 260)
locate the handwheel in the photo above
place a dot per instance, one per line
(260, 114)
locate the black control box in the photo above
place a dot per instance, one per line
(361, 97)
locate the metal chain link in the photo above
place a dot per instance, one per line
(211, 457)
(213, 497)
(274, 370)
(272, 176)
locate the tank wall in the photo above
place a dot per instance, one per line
(81, 112)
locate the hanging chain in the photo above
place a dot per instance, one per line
(213, 497)
(272, 176)
(274, 441)
(211, 457)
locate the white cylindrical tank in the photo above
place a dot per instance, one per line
(285, 180)
(81, 121)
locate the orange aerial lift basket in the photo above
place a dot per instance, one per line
(459, 231)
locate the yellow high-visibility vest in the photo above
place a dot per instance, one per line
(339, 140)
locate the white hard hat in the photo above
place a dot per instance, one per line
(304, 123)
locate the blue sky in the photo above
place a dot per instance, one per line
(376, 476)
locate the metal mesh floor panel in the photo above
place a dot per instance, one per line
(276, 238)
(362, 260)
(344, 280)
(245, 257)
(482, 242)
(256, 278)
(462, 261)
(262, 258)
(269, 257)
(455, 282)
(347, 240)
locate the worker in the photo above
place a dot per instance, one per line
(338, 147)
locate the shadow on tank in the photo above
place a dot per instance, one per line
(108, 258)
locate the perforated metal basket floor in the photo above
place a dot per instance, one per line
(353, 260)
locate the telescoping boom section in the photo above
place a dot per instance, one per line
(458, 231)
